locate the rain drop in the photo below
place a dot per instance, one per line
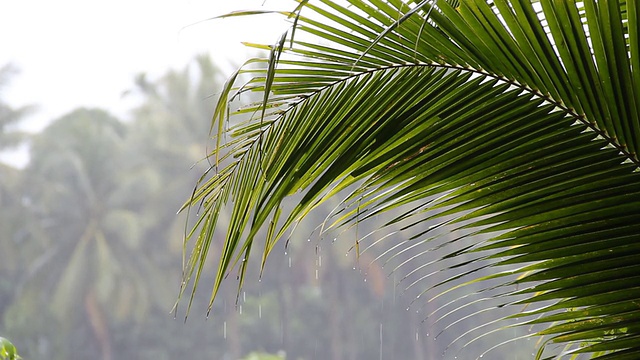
(224, 329)
(240, 309)
(316, 274)
(320, 260)
(260, 311)
(244, 296)
(289, 261)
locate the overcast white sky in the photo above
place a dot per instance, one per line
(75, 53)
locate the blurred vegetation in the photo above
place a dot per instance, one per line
(91, 252)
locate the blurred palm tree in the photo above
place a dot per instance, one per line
(10, 116)
(12, 224)
(88, 230)
(170, 134)
(515, 120)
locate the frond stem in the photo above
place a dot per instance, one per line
(557, 103)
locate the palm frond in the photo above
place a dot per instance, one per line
(515, 120)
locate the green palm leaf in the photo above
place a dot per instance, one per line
(513, 123)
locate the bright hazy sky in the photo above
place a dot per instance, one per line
(75, 53)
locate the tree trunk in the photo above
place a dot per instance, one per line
(98, 324)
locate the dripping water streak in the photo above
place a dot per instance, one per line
(281, 331)
(380, 341)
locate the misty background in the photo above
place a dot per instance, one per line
(104, 121)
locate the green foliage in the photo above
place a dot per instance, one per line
(312, 304)
(511, 125)
(262, 356)
(7, 350)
